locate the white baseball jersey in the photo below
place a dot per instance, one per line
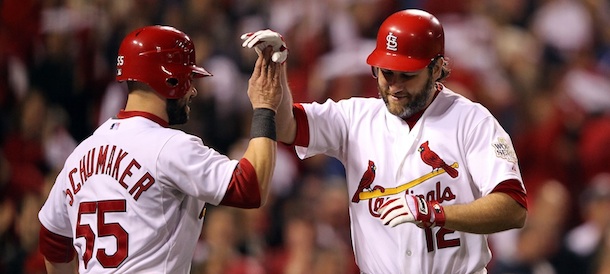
(131, 196)
(377, 146)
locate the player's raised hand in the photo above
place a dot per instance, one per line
(264, 38)
(264, 87)
(414, 209)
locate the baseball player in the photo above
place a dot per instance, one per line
(131, 197)
(429, 172)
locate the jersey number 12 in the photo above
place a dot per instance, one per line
(440, 239)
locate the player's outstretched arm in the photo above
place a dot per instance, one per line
(493, 213)
(265, 93)
(490, 214)
(286, 125)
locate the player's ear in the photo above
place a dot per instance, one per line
(437, 67)
(374, 72)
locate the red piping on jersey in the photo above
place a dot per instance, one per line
(513, 189)
(243, 190)
(54, 247)
(412, 120)
(133, 113)
(302, 135)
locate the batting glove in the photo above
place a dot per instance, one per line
(414, 209)
(264, 38)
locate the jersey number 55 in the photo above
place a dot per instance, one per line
(103, 230)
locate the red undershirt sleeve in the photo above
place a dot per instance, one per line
(302, 136)
(513, 189)
(243, 190)
(54, 247)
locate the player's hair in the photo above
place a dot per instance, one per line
(445, 70)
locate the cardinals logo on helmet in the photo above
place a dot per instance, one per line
(392, 43)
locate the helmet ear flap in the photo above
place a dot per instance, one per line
(172, 82)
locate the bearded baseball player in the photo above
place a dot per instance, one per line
(429, 172)
(131, 197)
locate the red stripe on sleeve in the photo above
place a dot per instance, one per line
(55, 248)
(513, 189)
(302, 136)
(243, 191)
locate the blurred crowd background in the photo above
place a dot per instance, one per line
(542, 67)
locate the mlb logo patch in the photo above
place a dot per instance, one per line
(115, 126)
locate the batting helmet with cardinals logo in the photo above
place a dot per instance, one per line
(161, 57)
(408, 40)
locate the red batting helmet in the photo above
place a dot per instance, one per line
(160, 56)
(408, 40)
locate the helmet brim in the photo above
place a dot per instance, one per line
(199, 72)
(389, 61)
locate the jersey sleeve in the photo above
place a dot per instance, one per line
(55, 248)
(513, 189)
(196, 170)
(54, 213)
(243, 190)
(327, 127)
(491, 158)
(302, 136)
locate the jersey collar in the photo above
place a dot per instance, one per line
(133, 113)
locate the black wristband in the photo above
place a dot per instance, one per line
(263, 124)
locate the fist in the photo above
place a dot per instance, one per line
(265, 38)
(413, 209)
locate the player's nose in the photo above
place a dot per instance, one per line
(396, 82)
(396, 86)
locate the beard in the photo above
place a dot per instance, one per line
(176, 111)
(415, 105)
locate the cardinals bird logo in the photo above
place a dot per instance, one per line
(365, 183)
(431, 158)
